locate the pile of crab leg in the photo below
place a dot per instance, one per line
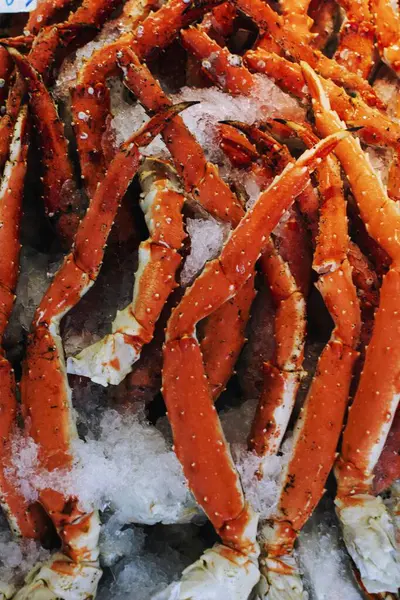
(328, 55)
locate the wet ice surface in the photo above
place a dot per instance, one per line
(325, 563)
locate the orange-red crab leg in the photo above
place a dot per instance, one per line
(223, 336)
(356, 49)
(200, 177)
(318, 428)
(291, 41)
(387, 26)
(290, 237)
(63, 203)
(46, 397)
(110, 359)
(44, 13)
(209, 469)
(11, 193)
(282, 374)
(376, 127)
(377, 396)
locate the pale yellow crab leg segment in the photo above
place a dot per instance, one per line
(318, 428)
(367, 528)
(110, 359)
(208, 467)
(46, 396)
(387, 26)
(282, 375)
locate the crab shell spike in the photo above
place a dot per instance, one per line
(376, 128)
(387, 28)
(267, 19)
(200, 177)
(110, 359)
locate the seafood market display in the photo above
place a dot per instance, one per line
(200, 300)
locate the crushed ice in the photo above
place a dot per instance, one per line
(207, 236)
(324, 560)
(202, 119)
(113, 472)
(17, 556)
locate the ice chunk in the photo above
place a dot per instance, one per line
(128, 469)
(32, 282)
(17, 556)
(202, 119)
(207, 236)
(261, 492)
(324, 560)
(144, 572)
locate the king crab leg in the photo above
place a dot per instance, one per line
(63, 203)
(215, 196)
(44, 388)
(110, 359)
(367, 529)
(320, 421)
(209, 470)
(283, 372)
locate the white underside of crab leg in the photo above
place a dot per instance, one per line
(219, 573)
(369, 534)
(54, 581)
